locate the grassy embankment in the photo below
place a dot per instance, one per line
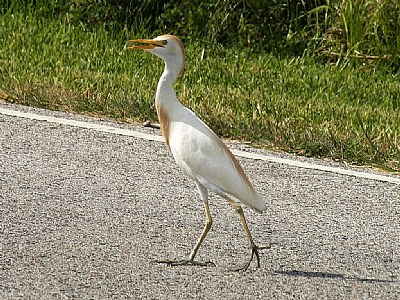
(294, 104)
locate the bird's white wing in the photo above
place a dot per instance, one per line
(203, 156)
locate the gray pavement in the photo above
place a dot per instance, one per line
(83, 214)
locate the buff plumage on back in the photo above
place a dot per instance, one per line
(248, 196)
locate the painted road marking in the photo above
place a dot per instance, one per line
(158, 138)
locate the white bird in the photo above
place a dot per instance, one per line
(198, 151)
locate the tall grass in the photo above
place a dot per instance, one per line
(365, 30)
(360, 31)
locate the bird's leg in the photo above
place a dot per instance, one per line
(206, 228)
(254, 247)
(191, 260)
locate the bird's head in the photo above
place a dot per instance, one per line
(167, 47)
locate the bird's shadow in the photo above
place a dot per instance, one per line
(325, 275)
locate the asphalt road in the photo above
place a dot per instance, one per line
(83, 215)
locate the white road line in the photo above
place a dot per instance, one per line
(80, 124)
(110, 129)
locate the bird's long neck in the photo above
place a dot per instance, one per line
(167, 104)
(165, 95)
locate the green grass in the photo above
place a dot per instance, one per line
(359, 29)
(294, 104)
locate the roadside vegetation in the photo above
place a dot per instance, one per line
(317, 78)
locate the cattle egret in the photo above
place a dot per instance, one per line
(198, 151)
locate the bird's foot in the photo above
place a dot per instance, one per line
(254, 252)
(185, 262)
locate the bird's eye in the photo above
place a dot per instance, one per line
(164, 42)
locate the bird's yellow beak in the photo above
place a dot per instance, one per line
(146, 44)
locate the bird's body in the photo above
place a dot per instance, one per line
(198, 151)
(202, 155)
